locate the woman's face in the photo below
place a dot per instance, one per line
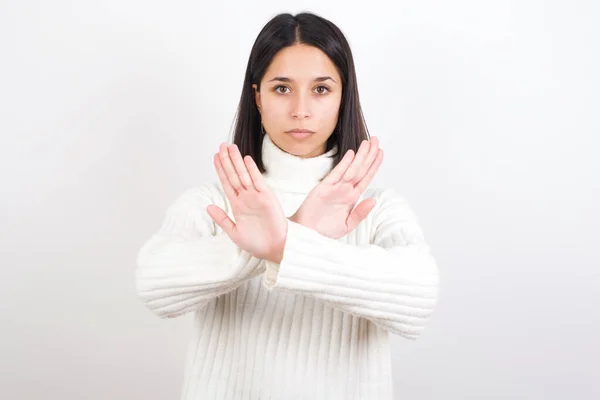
(301, 89)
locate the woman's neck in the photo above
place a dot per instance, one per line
(292, 173)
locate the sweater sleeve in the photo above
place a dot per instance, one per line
(393, 281)
(188, 263)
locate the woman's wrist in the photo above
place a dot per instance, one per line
(296, 218)
(276, 254)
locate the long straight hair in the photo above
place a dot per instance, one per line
(309, 29)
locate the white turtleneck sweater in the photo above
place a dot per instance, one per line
(316, 325)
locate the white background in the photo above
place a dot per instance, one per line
(489, 115)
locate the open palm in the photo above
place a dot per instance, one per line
(260, 224)
(330, 207)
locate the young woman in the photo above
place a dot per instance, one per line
(296, 272)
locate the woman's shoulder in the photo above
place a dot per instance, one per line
(202, 195)
(393, 219)
(384, 194)
(389, 201)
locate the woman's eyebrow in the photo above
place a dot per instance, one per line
(285, 79)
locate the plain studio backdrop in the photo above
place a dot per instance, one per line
(487, 111)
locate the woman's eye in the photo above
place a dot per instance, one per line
(319, 89)
(278, 87)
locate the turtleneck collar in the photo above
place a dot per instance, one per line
(292, 173)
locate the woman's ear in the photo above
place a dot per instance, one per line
(256, 96)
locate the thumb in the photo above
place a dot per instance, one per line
(221, 218)
(359, 213)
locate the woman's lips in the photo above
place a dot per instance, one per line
(300, 133)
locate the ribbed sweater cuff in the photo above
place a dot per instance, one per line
(396, 287)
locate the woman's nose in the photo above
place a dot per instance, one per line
(300, 107)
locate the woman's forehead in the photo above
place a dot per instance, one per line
(301, 63)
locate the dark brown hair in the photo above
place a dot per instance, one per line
(286, 30)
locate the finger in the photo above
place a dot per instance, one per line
(222, 219)
(336, 174)
(373, 151)
(228, 167)
(257, 178)
(364, 183)
(361, 154)
(229, 190)
(359, 213)
(240, 167)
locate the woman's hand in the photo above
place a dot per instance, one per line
(260, 226)
(329, 207)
